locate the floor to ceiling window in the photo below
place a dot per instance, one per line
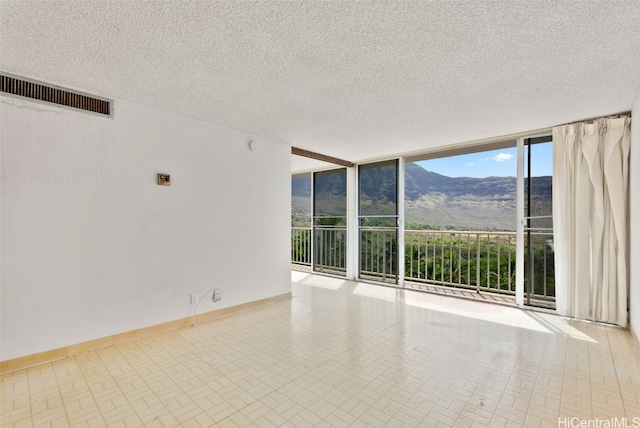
(460, 220)
(330, 221)
(301, 219)
(479, 221)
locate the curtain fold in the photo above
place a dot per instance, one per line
(590, 205)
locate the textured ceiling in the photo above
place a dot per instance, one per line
(354, 80)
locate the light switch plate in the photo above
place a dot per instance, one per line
(164, 179)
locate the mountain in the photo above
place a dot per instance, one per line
(435, 200)
(487, 203)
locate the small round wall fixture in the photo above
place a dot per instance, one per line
(252, 145)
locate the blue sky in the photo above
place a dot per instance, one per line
(501, 163)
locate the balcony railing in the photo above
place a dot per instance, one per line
(539, 276)
(330, 249)
(481, 261)
(301, 245)
(378, 254)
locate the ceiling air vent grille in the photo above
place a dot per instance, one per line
(39, 91)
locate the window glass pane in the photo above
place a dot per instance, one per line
(301, 201)
(539, 281)
(329, 221)
(330, 191)
(378, 189)
(474, 191)
(539, 158)
(378, 209)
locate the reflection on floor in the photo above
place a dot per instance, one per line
(341, 354)
(449, 291)
(458, 292)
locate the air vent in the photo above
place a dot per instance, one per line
(50, 94)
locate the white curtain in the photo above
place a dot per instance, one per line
(590, 221)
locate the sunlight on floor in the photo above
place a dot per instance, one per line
(558, 324)
(297, 276)
(317, 280)
(505, 315)
(515, 317)
(389, 294)
(481, 311)
(500, 314)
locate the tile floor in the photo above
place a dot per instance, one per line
(344, 354)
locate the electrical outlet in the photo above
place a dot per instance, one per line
(217, 295)
(194, 298)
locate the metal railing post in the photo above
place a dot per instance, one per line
(477, 263)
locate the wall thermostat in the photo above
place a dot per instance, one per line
(164, 179)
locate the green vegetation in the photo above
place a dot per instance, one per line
(465, 259)
(542, 276)
(378, 253)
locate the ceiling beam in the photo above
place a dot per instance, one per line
(317, 156)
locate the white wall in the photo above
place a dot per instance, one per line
(91, 246)
(634, 220)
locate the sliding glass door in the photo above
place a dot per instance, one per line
(378, 221)
(539, 272)
(330, 221)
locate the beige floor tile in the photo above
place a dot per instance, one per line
(353, 354)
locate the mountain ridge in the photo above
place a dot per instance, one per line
(435, 200)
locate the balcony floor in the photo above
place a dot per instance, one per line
(343, 353)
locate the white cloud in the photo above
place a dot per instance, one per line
(469, 164)
(484, 159)
(501, 157)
